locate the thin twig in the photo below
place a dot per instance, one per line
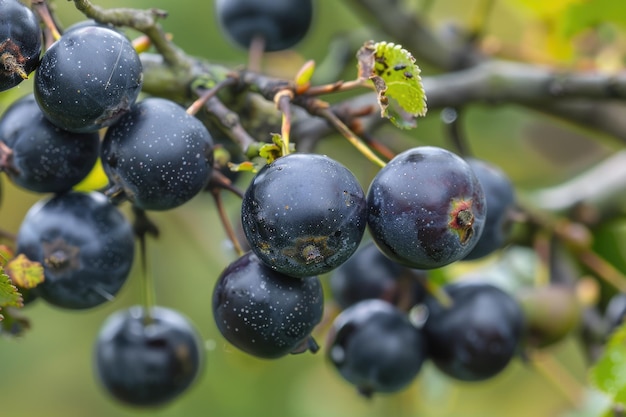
(195, 107)
(348, 134)
(228, 228)
(558, 376)
(451, 118)
(339, 86)
(603, 269)
(221, 181)
(41, 7)
(230, 123)
(144, 21)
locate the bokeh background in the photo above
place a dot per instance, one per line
(48, 372)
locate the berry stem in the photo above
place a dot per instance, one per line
(221, 181)
(41, 7)
(228, 228)
(579, 240)
(558, 376)
(283, 103)
(348, 134)
(437, 292)
(255, 53)
(451, 118)
(377, 145)
(142, 227)
(603, 269)
(543, 248)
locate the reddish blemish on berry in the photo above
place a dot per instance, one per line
(462, 219)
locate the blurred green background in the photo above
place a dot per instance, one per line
(48, 372)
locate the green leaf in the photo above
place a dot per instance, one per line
(9, 295)
(271, 151)
(609, 372)
(25, 273)
(397, 81)
(245, 166)
(6, 254)
(585, 14)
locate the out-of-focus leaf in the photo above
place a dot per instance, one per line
(397, 81)
(609, 372)
(25, 273)
(585, 14)
(544, 9)
(246, 166)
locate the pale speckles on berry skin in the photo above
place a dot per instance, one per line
(159, 155)
(263, 312)
(88, 79)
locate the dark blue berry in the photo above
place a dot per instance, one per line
(39, 156)
(304, 214)
(147, 360)
(265, 313)
(157, 156)
(375, 347)
(477, 336)
(426, 208)
(88, 79)
(281, 23)
(85, 245)
(20, 43)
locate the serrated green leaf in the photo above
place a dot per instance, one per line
(25, 273)
(9, 295)
(609, 372)
(6, 254)
(397, 81)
